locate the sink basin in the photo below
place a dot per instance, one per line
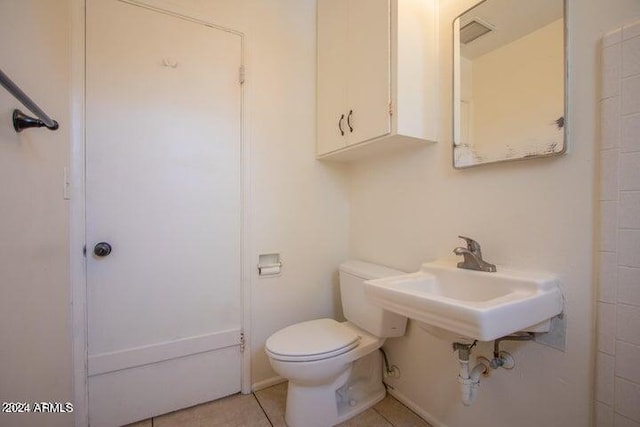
(474, 304)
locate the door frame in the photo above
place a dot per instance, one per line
(77, 204)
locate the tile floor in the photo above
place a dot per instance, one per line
(265, 408)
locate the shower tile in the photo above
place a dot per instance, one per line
(611, 71)
(608, 226)
(609, 122)
(631, 57)
(629, 214)
(631, 30)
(608, 277)
(609, 183)
(630, 171)
(628, 289)
(606, 327)
(628, 324)
(621, 421)
(604, 378)
(627, 357)
(627, 398)
(629, 248)
(630, 95)
(630, 134)
(604, 415)
(612, 37)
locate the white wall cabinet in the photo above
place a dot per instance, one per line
(377, 76)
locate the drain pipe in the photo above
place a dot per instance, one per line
(469, 380)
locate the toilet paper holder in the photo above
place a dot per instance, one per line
(269, 265)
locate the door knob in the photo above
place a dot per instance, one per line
(102, 249)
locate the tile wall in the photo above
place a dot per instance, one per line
(618, 352)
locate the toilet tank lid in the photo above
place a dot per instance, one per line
(366, 270)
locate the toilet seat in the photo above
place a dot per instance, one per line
(313, 340)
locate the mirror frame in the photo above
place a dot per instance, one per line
(455, 71)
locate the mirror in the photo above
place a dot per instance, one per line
(509, 82)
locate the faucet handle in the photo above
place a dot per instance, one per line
(472, 245)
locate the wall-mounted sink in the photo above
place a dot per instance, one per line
(474, 304)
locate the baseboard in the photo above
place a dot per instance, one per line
(415, 408)
(260, 385)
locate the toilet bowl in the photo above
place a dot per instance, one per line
(334, 368)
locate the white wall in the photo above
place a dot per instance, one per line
(35, 353)
(299, 206)
(538, 214)
(617, 372)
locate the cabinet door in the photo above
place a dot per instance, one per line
(332, 70)
(368, 72)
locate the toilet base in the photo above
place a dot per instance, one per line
(349, 412)
(353, 392)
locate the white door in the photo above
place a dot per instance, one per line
(163, 190)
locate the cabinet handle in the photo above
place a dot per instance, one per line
(340, 125)
(349, 121)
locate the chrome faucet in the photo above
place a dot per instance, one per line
(473, 257)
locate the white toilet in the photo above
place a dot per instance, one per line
(334, 369)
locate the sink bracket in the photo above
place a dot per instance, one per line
(502, 359)
(524, 336)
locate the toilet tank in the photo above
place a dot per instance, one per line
(358, 310)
